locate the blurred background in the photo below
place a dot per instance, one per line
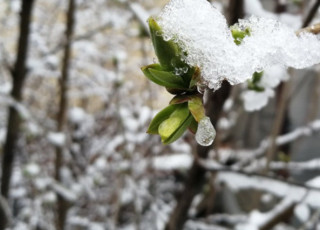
(75, 107)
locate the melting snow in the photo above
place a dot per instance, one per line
(202, 32)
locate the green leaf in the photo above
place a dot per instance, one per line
(169, 79)
(146, 72)
(253, 83)
(256, 77)
(159, 118)
(173, 127)
(168, 52)
(180, 131)
(196, 108)
(153, 73)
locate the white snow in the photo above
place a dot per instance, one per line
(63, 191)
(32, 169)
(5, 88)
(256, 100)
(258, 219)
(254, 7)
(302, 212)
(271, 78)
(56, 138)
(315, 182)
(172, 162)
(77, 115)
(202, 32)
(49, 197)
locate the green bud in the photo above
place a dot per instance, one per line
(167, 79)
(172, 128)
(159, 118)
(168, 52)
(239, 34)
(253, 83)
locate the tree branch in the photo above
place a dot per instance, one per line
(311, 14)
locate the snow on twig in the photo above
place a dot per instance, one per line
(63, 191)
(246, 157)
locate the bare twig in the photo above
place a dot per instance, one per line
(62, 204)
(311, 14)
(5, 213)
(278, 122)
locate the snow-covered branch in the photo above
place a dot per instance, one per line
(250, 155)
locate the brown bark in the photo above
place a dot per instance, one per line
(62, 204)
(311, 14)
(14, 121)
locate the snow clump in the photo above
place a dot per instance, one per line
(202, 32)
(271, 78)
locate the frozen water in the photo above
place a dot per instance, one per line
(206, 132)
(202, 32)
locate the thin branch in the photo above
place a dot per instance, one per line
(5, 212)
(278, 122)
(279, 213)
(307, 130)
(211, 166)
(311, 14)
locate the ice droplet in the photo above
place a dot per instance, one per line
(206, 132)
(201, 87)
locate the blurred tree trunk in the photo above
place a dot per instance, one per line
(196, 175)
(62, 204)
(18, 75)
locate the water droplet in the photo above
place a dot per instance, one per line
(206, 132)
(166, 37)
(173, 62)
(201, 88)
(185, 69)
(177, 71)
